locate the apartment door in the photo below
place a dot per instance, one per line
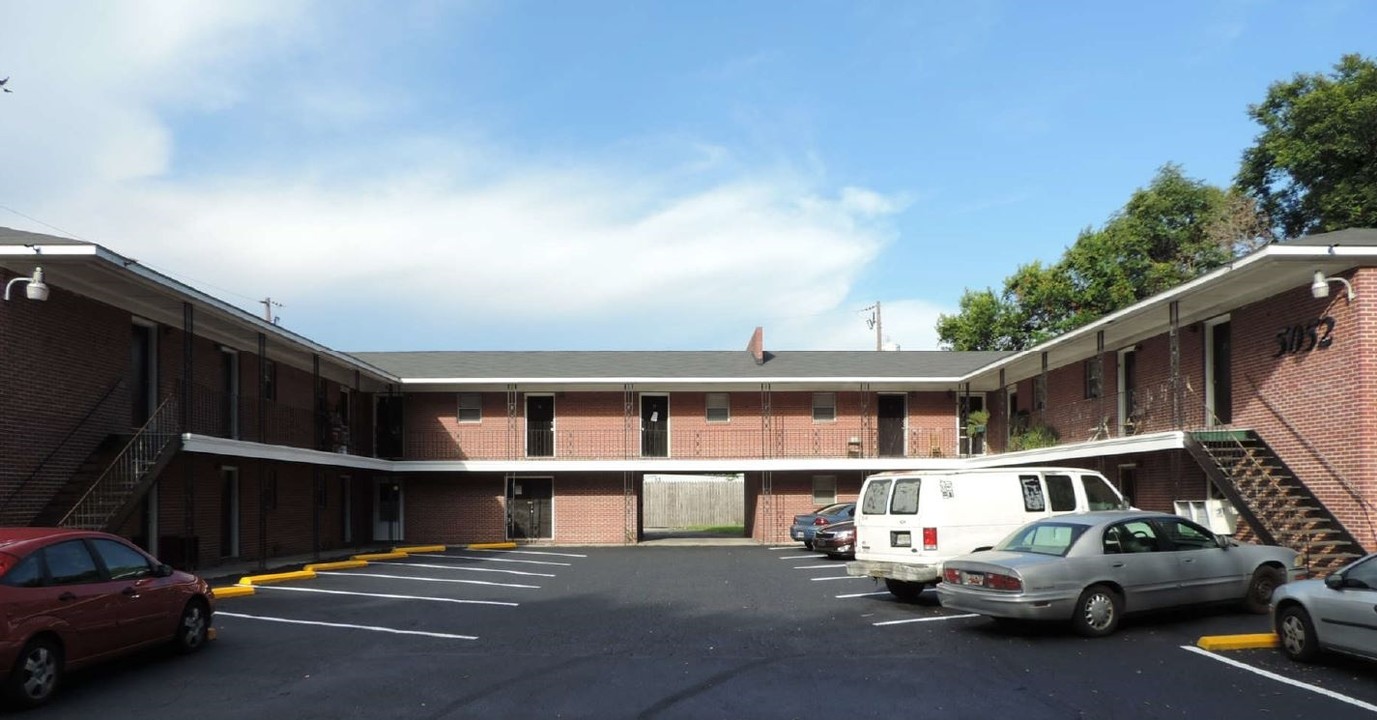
(893, 419)
(1130, 412)
(530, 508)
(654, 426)
(972, 439)
(388, 507)
(229, 512)
(540, 426)
(143, 371)
(229, 373)
(1218, 362)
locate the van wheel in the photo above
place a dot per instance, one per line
(36, 674)
(1265, 581)
(909, 592)
(1097, 612)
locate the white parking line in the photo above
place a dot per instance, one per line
(797, 557)
(926, 619)
(459, 567)
(527, 552)
(373, 628)
(830, 566)
(426, 579)
(384, 595)
(840, 577)
(492, 559)
(1281, 679)
(869, 594)
(787, 547)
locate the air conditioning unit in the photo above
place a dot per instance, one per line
(1217, 515)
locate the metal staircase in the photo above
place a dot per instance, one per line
(108, 501)
(1278, 507)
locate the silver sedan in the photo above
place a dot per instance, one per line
(1337, 613)
(1092, 568)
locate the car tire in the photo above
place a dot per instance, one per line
(36, 674)
(909, 592)
(1097, 612)
(1296, 633)
(1264, 582)
(807, 544)
(193, 627)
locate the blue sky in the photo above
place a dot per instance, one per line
(622, 175)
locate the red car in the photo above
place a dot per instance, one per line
(73, 597)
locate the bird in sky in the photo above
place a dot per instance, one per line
(2, 85)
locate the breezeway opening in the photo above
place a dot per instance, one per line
(693, 506)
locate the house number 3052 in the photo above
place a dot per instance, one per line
(1304, 338)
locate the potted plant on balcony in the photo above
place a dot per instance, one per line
(976, 420)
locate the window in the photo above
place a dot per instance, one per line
(1040, 392)
(1033, 501)
(1061, 492)
(719, 407)
(1135, 536)
(1188, 536)
(824, 489)
(876, 494)
(269, 379)
(1099, 495)
(906, 496)
(70, 563)
(28, 573)
(1044, 538)
(122, 561)
(824, 406)
(1094, 377)
(1364, 572)
(470, 407)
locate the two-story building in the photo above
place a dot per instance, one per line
(130, 401)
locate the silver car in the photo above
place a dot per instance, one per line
(1336, 613)
(1092, 568)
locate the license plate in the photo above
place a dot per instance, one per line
(900, 539)
(972, 578)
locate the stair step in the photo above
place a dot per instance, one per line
(1221, 436)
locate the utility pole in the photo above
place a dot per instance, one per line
(268, 306)
(875, 321)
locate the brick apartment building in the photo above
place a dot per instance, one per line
(132, 402)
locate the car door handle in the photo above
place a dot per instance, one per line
(1188, 560)
(66, 597)
(1117, 564)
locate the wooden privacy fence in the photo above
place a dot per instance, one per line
(694, 503)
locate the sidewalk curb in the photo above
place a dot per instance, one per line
(1238, 642)
(246, 584)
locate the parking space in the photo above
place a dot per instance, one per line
(745, 631)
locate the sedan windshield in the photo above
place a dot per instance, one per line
(1044, 538)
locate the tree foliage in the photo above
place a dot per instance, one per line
(1314, 166)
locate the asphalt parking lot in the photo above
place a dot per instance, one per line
(682, 632)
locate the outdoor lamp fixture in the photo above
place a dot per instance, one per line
(1320, 287)
(37, 289)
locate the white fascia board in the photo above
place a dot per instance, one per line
(831, 380)
(242, 448)
(1167, 296)
(178, 288)
(671, 466)
(41, 251)
(1154, 442)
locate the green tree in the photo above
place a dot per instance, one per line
(1314, 166)
(985, 322)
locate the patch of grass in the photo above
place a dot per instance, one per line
(720, 529)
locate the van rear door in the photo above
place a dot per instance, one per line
(885, 518)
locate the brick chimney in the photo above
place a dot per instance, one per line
(756, 347)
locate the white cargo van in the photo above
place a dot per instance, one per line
(908, 523)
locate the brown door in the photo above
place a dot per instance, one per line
(654, 426)
(893, 411)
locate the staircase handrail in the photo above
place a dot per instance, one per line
(42, 464)
(150, 428)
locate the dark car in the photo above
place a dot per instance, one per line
(70, 598)
(805, 525)
(838, 540)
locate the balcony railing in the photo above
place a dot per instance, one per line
(696, 444)
(1146, 409)
(219, 414)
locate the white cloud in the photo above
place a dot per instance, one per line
(413, 226)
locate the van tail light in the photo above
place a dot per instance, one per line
(820, 521)
(929, 538)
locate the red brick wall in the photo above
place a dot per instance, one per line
(791, 494)
(456, 508)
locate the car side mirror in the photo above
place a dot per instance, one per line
(1335, 581)
(163, 570)
(1224, 541)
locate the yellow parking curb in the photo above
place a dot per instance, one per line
(420, 549)
(1238, 642)
(339, 565)
(276, 577)
(230, 591)
(493, 546)
(381, 556)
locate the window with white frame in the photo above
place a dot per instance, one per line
(470, 407)
(719, 407)
(824, 406)
(824, 489)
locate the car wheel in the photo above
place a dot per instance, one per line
(193, 628)
(1265, 581)
(1297, 634)
(1097, 612)
(36, 674)
(808, 544)
(909, 592)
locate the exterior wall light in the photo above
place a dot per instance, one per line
(36, 290)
